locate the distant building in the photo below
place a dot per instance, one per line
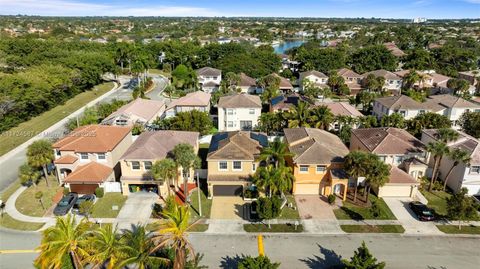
(209, 78)
(192, 101)
(419, 20)
(139, 111)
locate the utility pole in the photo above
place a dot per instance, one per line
(199, 198)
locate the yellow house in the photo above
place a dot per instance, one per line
(317, 162)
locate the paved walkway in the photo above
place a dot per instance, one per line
(314, 207)
(136, 210)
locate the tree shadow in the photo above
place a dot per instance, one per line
(330, 259)
(352, 214)
(230, 262)
(241, 210)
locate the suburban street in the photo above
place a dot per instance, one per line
(295, 250)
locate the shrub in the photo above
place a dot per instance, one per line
(374, 209)
(260, 262)
(66, 190)
(99, 192)
(269, 208)
(331, 199)
(249, 193)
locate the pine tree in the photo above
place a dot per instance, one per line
(363, 259)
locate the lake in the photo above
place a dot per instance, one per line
(286, 45)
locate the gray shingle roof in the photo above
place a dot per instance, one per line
(240, 101)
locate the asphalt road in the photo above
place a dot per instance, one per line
(297, 251)
(9, 167)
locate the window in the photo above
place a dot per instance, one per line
(303, 168)
(121, 122)
(254, 167)
(230, 111)
(251, 111)
(101, 157)
(398, 159)
(421, 111)
(403, 113)
(382, 158)
(237, 165)
(222, 166)
(246, 125)
(147, 165)
(135, 165)
(230, 124)
(83, 156)
(321, 168)
(475, 170)
(57, 152)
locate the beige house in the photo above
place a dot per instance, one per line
(141, 111)
(399, 149)
(148, 148)
(317, 162)
(352, 80)
(192, 101)
(88, 156)
(232, 159)
(317, 78)
(247, 84)
(393, 82)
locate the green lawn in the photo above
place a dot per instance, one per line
(206, 205)
(372, 228)
(288, 212)
(8, 222)
(437, 200)
(453, 229)
(275, 228)
(103, 206)
(28, 205)
(34, 126)
(351, 211)
(199, 228)
(158, 72)
(10, 190)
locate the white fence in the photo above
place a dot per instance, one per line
(112, 187)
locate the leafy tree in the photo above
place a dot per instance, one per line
(276, 152)
(40, 154)
(369, 121)
(193, 120)
(394, 120)
(363, 259)
(174, 233)
(230, 82)
(428, 120)
(322, 117)
(184, 78)
(27, 174)
(269, 208)
(86, 208)
(419, 59)
(373, 83)
(470, 123)
(458, 156)
(106, 247)
(365, 98)
(271, 122)
(65, 239)
(186, 158)
(260, 262)
(459, 86)
(299, 115)
(372, 58)
(460, 207)
(453, 58)
(165, 170)
(321, 59)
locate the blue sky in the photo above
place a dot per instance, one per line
(263, 8)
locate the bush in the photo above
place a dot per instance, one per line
(260, 262)
(331, 199)
(374, 209)
(99, 192)
(269, 208)
(249, 193)
(66, 190)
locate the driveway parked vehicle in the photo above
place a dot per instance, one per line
(81, 200)
(65, 204)
(422, 211)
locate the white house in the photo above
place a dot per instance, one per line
(247, 84)
(192, 101)
(463, 175)
(392, 81)
(238, 112)
(318, 79)
(140, 111)
(209, 78)
(401, 104)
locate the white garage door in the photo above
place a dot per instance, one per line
(307, 188)
(395, 191)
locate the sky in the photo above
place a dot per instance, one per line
(407, 9)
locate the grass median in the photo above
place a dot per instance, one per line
(35, 125)
(274, 228)
(453, 229)
(11, 223)
(372, 228)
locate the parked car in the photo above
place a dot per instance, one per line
(422, 211)
(81, 200)
(65, 204)
(253, 211)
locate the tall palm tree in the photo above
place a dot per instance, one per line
(283, 179)
(322, 117)
(27, 174)
(64, 241)
(169, 90)
(377, 174)
(445, 135)
(299, 115)
(186, 158)
(355, 166)
(166, 170)
(106, 247)
(264, 178)
(458, 156)
(437, 149)
(174, 233)
(140, 249)
(40, 154)
(276, 152)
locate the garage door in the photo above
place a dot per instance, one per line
(227, 190)
(83, 188)
(395, 191)
(307, 188)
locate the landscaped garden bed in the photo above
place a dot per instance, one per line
(357, 212)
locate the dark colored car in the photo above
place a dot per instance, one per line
(81, 200)
(422, 211)
(65, 204)
(253, 211)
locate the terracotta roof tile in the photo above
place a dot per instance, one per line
(388, 140)
(398, 176)
(67, 159)
(92, 172)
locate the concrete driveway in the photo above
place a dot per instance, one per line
(401, 210)
(227, 207)
(314, 207)
(136, 210)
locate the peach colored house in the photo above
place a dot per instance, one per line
(88, 157)
(148, 148)
(317, 162)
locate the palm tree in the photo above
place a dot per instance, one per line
(458, 156)
(174, 233)
(140, 249)
(445, 135)
(276, 152)
(322, 117)
(186, 158)
(264, 178)
(283, 179)
(66, 241)
(27, 174)
(355, 166)
(377, 174)
(106, 247)
(169, 90)
(40, 154)
(438, 149)
(410, 79)
(166, 170)
(299, 115)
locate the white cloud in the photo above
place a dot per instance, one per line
(75, 8)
